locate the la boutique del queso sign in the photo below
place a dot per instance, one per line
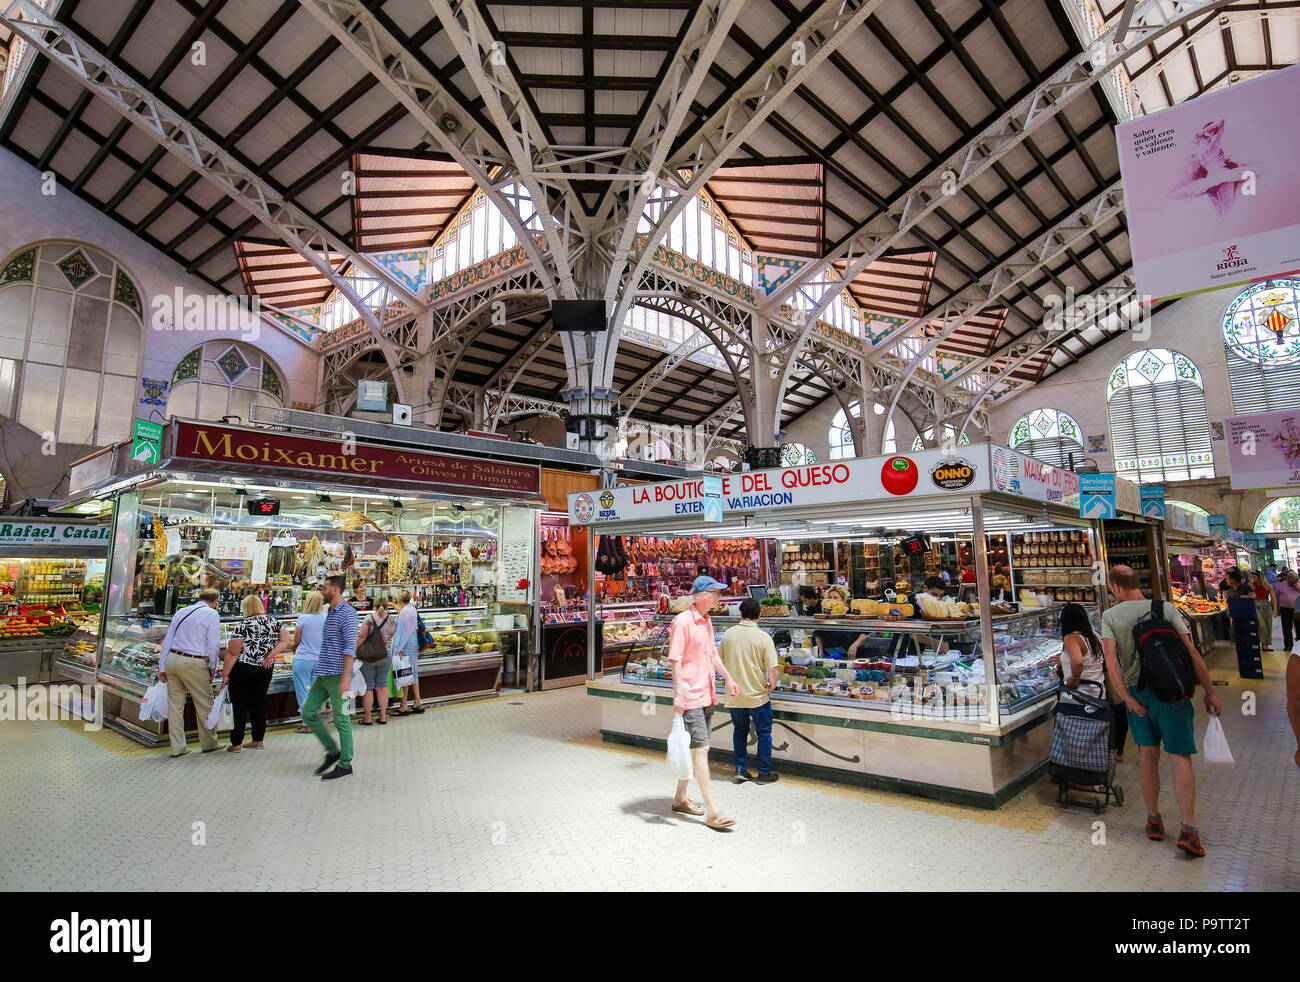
(811, 485)
(335, 459)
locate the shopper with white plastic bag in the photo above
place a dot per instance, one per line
(679, 750)
(694, 658)
(334, 669)
(188, 664)
(153, 707)
(1216, 744)
(222, 716)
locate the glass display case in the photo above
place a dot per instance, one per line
(911, 666)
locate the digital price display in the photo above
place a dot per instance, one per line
(263, 506)
(916, 544)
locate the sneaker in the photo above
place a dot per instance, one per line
(330, 760)
(339, 771)
(771, 777)
(743, 775)
(1155, 829)
(1190, 843)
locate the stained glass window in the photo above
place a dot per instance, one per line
(70, 344)
(221, 378)
(1261, 334)
(919, 443)
(1156, 409)
(1280, 515)
(1048, 435)
(796, 454)
(1188, 506)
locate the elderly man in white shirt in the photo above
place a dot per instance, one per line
(188, 663)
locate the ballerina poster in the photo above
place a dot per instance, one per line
(1264, 450)
(1209, 188)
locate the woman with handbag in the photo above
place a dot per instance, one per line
(250, 657)
(373, 638)
(406, 643)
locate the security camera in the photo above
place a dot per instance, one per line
(449, 123)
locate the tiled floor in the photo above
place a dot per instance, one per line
(520, 793)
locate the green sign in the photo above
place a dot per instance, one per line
(146, 444)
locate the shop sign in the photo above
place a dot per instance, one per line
(336, 460)
(1014, 473)
(1097, 495)
(146, 443)
(953, 474)
(808, 486)
(1153, 501)
(1219, 522)
(50, 534)
(232, 544)
(1264, 450)
(1196, 217)
(711, 488)
(1128, 496)
(89, 472)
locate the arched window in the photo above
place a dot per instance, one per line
(796, 454)
(70, 332)
(841, 435)
(1158, 424)
(1280, 515)
(223, 378)
(1049, 435)
(1188, 506)
(919, 443)
(1261, 332)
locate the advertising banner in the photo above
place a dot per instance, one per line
(1031, 478)
(1263, 450)
(328, 459)
(1209, 188)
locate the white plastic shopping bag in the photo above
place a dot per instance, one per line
(1216, 744)
(679, 750)
(403, 673)
(153, 707)
(221, 713)
(357, 688)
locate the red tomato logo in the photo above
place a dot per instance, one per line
(899, 475)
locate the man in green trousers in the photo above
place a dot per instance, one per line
(332, 677)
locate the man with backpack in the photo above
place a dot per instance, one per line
(1150, 656)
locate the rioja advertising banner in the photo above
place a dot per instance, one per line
(1209, 186)
(1264, 450)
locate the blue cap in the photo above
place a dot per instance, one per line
(703, 583)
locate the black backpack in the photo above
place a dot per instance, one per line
(1166, 665)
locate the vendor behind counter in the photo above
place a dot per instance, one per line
(850, 641)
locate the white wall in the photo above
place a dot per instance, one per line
(31, 217)
(1191, 326)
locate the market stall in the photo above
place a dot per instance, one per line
(1187, 542)
(51, 578)
(263, 512)
(938, 698)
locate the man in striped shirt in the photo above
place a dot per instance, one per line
(332, 677)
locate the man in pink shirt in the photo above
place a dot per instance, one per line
(695, 659)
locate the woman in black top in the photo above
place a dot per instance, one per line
(250, 656)
(810, 602)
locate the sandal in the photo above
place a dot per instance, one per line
(303, 729)
(232, 749)
(721, 824)
(383, 722)
(366, 722)
(688, 808)
(417, 710)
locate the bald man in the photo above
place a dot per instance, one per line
(1151, 721)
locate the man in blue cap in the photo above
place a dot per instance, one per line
(694, 658)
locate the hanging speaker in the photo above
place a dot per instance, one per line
(401, 414)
